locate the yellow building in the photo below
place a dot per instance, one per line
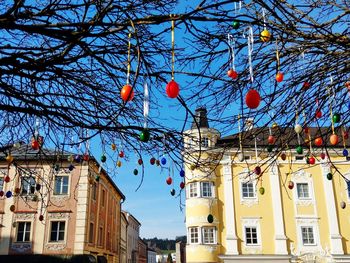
(290, 211)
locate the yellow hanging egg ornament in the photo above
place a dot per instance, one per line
(119, 163)
(265, 35)
(113, 146)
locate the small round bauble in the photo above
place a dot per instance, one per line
(144, 135)
(163, 161)
(290, 185)
(121, 154)
(8, 194)
(56, 167)
(329, 176)
(17, 190)
(192, 167)
(318, 141)
(252, 99)
(299, 149)
(336, 117)
(269, 148)
(136, 172)
(312, 160)
(306, 130)
(152, 161)
(119, 163)
(127, 93)
(333, 139)
(172, 89)
(345, 152)
(232, 74)
(235, 24)
(262, 190)
(157, 162)
(271, 139)
(172, 192)
(182, 185)
(298, 129)
(97, 178)
(265, 35)
(210, 218)
(342, 205)
(70, 158)
(169, 180)
(346, 135)
(257, 170)
(182, 173)
(279, 77)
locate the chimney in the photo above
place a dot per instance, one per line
(201, 118)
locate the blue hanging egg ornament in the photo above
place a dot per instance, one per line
(345, 152)
(172, 192)
(77, 158)
(71, 167)
(182, 173)
(163, 161)
(8, 194)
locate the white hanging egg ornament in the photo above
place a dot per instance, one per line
(240, 157)
(298, 129)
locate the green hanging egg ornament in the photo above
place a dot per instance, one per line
(235, 24)
(172, 192)
(136, 172)
(269, 148)
(262, 190)
(329, 176)
(97, 178)
(144, 135)
(210, 218)
(336, 117)
(103, 158)
(299, 149)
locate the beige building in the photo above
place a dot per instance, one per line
(58, 204)
(133, 234)
(123, 238)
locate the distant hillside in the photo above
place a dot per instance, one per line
(164, 244)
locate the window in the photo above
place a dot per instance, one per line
(100, 236)
(347, 184)
(300, 157)
(207, 189)
(205, 142)
(307, 234)
(57, 231)
(248, 190)
(1, 183)
(23, 231)
(303, 190)
(251, 236)
(194, 235)
(91, 233)
(103, 198)
(208, 235)
(27, 185)
(61, 185)
(193, 190)
(94, 191)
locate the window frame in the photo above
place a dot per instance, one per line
(100, 239)
(211, 228)
(347, 182)
(103, 197)
(210, 188)
(58, 231)
(193, 238)
(314, 243)
(30, 183)
(303, 197)
(251, 235)
(63, 176)
(193, 190)
(253, 190)
(24, 231)
(2, 182)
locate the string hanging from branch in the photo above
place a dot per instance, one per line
(127, 92)
(232, 73)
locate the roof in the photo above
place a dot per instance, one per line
(25, 152)
(285, 136)
(127, 214)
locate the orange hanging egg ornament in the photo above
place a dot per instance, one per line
(252, 99)
(127, 93)
(334, 139)
(172, 89)
(265, 35)
(232, 74)
(279, 77)
(318, 141)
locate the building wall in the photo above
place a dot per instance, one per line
(151, 256)
(133, 233)
(123, 239)
(142, 250)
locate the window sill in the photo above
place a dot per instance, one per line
(61, 194)
(22, 242)
(57, 242)
(310, 245)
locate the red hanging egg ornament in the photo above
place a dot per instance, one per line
(140, 162)
(35, 145)
(257, 170)
(12, 208)
(7, 179)
(279, 77)
(182, 185)
(121, 154)
(290, 185)
(86, 157)
(318, 141)
(41, 218)
(345, 135)
(283, 156)
(334, 139)
(271, 139)
(127, 93)
(152, 161)
(169, 180)
(232, 74)
(252, 99)
(306, 85)
(318, 114)
(172, 89)
(323, 156)
(312, 160)
(2, 193)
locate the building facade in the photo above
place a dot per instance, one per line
(123, 238)
(58, 204)
(142, 251)
(151, 255)
(133, 234)
(249, 199)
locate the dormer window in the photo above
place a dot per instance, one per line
(205, 142)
